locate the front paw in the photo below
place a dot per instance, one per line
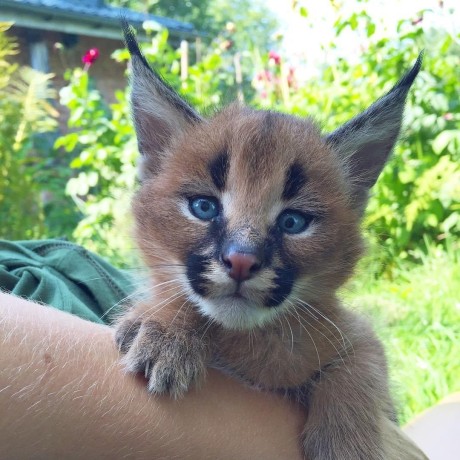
(172, 359)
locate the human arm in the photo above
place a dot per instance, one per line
(63, 394)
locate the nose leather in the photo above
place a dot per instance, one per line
(240, 265)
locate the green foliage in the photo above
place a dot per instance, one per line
(417, 315)
(418, 194)
(255, 23)
(24, 112)
(103, 138)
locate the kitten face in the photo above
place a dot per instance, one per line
(251, 212)
(253, 208)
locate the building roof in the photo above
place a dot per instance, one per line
(86, 17)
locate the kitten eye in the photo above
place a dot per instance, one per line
(294, 221)
(204, 207)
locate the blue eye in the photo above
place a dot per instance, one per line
(294, 221)
(203, 207)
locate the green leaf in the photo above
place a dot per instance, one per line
(353, 21)
(370, 29)
(303, 12)
(443, 139)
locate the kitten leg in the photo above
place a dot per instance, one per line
(170, 350)
(346, 407)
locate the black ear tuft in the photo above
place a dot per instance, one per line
(407, 80)
(160, 114)
(365, 143)
(131, 42)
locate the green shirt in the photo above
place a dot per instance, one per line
(65, 276)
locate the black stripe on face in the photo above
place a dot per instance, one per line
(218, 168)
(295, 180)
(284, 280)
(196, 267)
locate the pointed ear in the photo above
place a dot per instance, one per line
(364, 144)
(159, 113)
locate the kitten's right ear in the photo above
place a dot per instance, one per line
(159, 113)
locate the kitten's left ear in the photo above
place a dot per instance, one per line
(159, 113)
(364, 143)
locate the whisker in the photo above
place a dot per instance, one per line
(132, 295)
(324, 335)
(164, 303)
(208, 324)
(312, 341)
(178, 311)
(343, 336)
(292, 337)
(148, 311)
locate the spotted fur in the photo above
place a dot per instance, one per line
(282, 327)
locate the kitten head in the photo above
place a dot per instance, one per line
(253, 212)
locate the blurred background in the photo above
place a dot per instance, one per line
(68, 152)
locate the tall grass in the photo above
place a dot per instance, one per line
(417, 315)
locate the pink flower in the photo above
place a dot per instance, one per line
(273, 55)
(90, 57)
(291, 80)
(264, 75)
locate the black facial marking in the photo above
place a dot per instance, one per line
(196, 267)
(217, 232)
(284, 281)
(269, 246)
(260, 144)
(295, 180)
(218, 169)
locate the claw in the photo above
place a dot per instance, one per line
(171, 360)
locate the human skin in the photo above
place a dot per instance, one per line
(63, 394)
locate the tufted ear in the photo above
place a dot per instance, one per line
(159, 113)
(365, 143)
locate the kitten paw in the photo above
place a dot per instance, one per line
(172, 359)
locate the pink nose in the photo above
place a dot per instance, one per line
(241, 266)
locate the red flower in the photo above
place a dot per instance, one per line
(90, 56)
(273, 55)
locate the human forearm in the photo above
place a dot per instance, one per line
(63, 394)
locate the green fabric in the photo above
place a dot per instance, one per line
(63, 275)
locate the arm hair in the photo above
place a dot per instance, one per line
(64, 395)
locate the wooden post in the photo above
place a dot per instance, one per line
(184, 60)
(198, 49)
(238, 76)
(39, 56)
(284, 83)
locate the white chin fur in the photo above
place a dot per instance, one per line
(235, 313)
(232, 312)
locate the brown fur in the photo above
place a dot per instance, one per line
(306, 344)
